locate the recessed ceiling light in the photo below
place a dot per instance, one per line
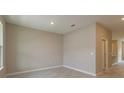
(122, 19)
(52, 23)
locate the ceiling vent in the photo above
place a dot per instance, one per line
(73, 25)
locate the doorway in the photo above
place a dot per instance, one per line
(1, 45)
(122, 57)
(104, 55)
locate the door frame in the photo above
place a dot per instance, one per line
(106, 54)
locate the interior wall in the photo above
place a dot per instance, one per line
(119, 36)
(3, 71)
(80, 49)
(29, 49)
(102, 33)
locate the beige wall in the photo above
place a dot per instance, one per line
(3, 71)
(79, 49)
(29, 49)
(102, 33)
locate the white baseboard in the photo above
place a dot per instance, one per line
(79, 70)
(21, 72)
(114, 64)
(1, 68)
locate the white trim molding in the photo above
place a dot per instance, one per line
(80, 70)
(22, 72)
(1, 68)
(114, 64)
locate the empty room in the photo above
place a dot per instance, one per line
(61, 46)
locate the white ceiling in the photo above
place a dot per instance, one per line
(63, 22)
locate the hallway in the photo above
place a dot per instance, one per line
(117, 71)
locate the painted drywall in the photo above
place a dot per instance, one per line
(79, 49)
(3, 71)
(29, 49)
(119, 36)
(1, 34)
(103, 33)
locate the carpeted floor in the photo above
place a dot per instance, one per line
(60, 72)
(117, 71)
